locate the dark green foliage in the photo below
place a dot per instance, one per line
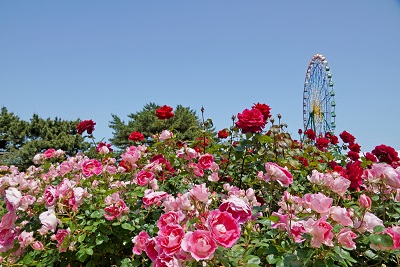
(21, 140)
(185, 124)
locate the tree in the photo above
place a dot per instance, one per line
(20, 140)
(185, 124)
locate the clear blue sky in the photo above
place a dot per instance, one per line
(90, 59)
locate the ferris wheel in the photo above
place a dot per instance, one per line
(318, 97)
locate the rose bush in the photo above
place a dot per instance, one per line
(257, 198)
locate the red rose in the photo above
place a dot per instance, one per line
(164, 113)
(265, 110)
(223, 134)
(385, 154)
(371, 157)
(355, 147)
(250, 121)
(353, 155)
(136, 136)
(310, 134)
(322, 143)
(354, 172)
(347, 137)
(86, 125)
(333, 138)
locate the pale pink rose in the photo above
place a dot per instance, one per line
(200, 192)
(187, 153)
(64, 188)
(37, 245)
(386, 172)
(316, 177)
(131, 155)
(25, 239)
(49, 153)
(154, 185)
(151, 249)
(250, 194)
(79, 195)
(239, 209)
(213, 177)
(341, 215)
(13, 196)
(206, 161)
(7, 237)
(111, 169)
(65, 167)
(199, 244)
(223, 227)
(169, 238)
(49, 220)
(8, 219)
(154, 198)
(26, 201)
(260, 176)
(198, 172)
(61, 235)
(59, 153)
(319, 202)
(50, 195)
(170, 203)
(297, 230)
(277, 173)
(340, 185)
(171, 217)
(365, 201)
(144, 177)
(184, 202)
(369, 221)
(38, 158)
(164, 260)
(95, 183)
(91, 167)
(283, 221)
(140, 242)
(165, 135)
(321, 232)
(346, 238)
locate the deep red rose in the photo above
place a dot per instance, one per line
(125, 165)
(300, 131)
(86, 125)
(164, 113)
(322, 143)
(355, 147)
(333, 138)
(136, 136)
(101, 144)
(265, 110)
(310, 134)
(371, 157)
(353, 155)
(303, 161)
(386, 154)
(223, 134)
(250, 121)
(347, 137)
(354, 172)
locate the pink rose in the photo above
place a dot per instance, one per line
(49, 153)
(7, 237)
(116, 210)
(164, 260)
(8, 219)
(340, 185)
(239, 209)
(365, 201)
(91, 167)
(319, 202)
(171, 217)
(223, 227)
(165, 135)
(140, 242)
(144, 177)
(369, 221)
(394, 232)
(321, 233)
(279, 174)
(25, 238)
(61, 235)
(151, 249)
(250, 121)
(186, 153)
(205, 161)
(13, 196)
(50, 195)
(65, 167)
(199, 244)
(37, 245)
(169, 238)
(197, 171)
(154, 198)
(346, 238)
(341, 215)
(200, 192)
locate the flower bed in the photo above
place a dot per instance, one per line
(248, 197)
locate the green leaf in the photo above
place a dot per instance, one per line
(82, 237)
(386, 240)
(319, 263)
(271, 259)
(273, 218)
(89, 251)
(375, 239)
(27, 259)
(251, 259)
(379, 229)
(127, 226)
